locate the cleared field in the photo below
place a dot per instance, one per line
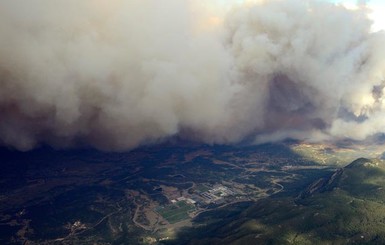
(175, 212)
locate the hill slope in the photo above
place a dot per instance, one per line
(345, 207)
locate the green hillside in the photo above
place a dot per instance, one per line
(346, 207)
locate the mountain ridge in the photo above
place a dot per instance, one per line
(358, 172)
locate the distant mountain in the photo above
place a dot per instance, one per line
(345, 207)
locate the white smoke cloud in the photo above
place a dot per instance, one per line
(118, 74)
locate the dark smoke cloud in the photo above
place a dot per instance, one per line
(119, 74)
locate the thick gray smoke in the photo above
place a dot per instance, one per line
(118, 74)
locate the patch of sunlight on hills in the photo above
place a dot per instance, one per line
(336, 155)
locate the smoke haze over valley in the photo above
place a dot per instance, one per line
(119, 74)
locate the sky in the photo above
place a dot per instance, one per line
(116, 75)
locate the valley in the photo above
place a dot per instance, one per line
(152, 196)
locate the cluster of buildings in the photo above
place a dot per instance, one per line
(215, 194)
(188, 200)
(201, 200)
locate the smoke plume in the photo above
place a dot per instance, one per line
(119, 74)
